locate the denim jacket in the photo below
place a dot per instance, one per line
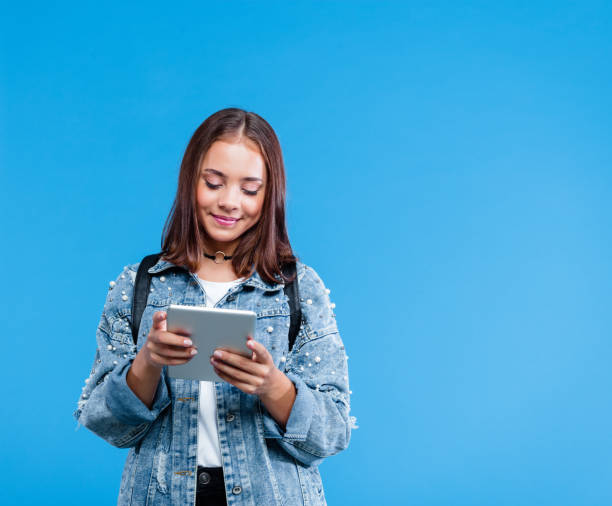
(262, 464)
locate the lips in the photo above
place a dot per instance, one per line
(224, 220)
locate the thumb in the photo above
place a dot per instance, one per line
(260, 353)
(159, 320)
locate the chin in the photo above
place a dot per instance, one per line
(228, 239)
(223, 235)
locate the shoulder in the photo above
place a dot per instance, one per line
(314, 299)
(120, 290)
(309, 279)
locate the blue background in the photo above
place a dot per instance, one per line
(449, 177)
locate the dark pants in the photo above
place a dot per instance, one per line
(211, 487)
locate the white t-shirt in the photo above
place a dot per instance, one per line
(209, 450)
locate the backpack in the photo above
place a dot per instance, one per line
(142, 285)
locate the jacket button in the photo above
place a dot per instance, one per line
(204, 478)
(230, 298)
(230, 417)
(237, 489)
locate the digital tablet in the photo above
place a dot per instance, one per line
(209, 328)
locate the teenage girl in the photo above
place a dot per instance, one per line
(257, 435)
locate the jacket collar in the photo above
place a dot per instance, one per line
(254, 280)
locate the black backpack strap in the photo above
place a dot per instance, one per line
(292, 292)
(141, 292)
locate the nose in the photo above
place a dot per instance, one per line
(229, 198)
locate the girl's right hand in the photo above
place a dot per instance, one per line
(165, 348)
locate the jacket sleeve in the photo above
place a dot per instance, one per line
(319, 424)
(107, 405)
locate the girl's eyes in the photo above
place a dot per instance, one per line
(217, 186)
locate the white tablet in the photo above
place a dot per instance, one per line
(209, 328)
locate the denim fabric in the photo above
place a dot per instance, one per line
(262, 464)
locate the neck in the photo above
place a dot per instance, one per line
(228, 248)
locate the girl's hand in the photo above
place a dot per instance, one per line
(256, 375)
(166, 348)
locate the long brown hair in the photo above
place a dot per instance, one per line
(265, 246)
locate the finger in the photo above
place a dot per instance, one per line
(253, 354)
(162, 360)
(159, 320)
(171, 351)
(245, 387)
(240, 362)
(261, 355)
(238, 374)
(172, 339)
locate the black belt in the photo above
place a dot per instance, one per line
(211, 484)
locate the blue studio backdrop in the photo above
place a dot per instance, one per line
(449, 177)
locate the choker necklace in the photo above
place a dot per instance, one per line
(218, 257)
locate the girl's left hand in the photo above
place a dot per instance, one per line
(257, 375)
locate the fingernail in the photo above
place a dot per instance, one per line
(194, 351)
(218, 354)
(187, 342)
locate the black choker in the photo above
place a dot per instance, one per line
(218, 257)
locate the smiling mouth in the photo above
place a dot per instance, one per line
(224, 220)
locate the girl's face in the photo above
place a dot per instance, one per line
(230, 192)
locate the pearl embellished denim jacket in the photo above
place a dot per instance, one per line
(262, 464)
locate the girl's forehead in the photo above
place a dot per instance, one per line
(234, 159)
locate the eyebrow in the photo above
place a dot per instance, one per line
(219, 173)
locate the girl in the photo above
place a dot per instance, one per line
(256, 436)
